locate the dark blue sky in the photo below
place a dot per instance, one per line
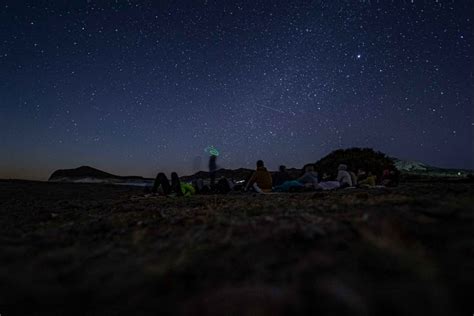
(133, 87)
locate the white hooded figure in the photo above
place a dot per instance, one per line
(343, 176)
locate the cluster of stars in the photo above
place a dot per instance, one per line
(136, 86)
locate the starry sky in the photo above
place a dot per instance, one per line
(136, 87)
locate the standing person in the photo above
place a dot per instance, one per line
(212, 170)
(261, 179)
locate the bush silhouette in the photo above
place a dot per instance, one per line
(355, 158)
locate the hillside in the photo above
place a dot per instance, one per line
(415, 167)
(86, 174)
(235, 174)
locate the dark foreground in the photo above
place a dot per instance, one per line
(106, 249)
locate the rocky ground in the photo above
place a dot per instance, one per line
(111, 250)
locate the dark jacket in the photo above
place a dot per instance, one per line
(280, 177)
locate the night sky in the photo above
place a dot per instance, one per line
(134, 87)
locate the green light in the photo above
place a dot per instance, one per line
(212, 150)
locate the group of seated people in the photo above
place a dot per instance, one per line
(163, 186)
(262, 181)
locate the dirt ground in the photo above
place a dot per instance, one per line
(110, 250)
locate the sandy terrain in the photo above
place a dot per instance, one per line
(109, 249)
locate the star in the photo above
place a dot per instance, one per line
(258, 83)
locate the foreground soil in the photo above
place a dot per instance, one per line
(112, 250)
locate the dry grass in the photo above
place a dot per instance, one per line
(408, 250)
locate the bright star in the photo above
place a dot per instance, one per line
(358, 56)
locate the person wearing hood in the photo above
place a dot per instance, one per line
(261, 179)
(343, 176)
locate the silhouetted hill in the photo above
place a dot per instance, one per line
(355, 158)
(92, 175)
(81, 172)
(237, 174)
(419, 168)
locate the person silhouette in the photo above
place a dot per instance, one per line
(162, 184)
(261, 180)
(212, 170)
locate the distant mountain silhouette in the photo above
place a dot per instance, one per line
(86, 174)
(89, 174)
(235, 174)
(415, 167)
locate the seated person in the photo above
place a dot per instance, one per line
(288, 186)
(343, 176)
(187, 189)
(328, 185)
(176, 184)
(310, 177)
(281, 176)
(365, 179)
(162, 184)
(353, 178)
(198, 185)
(224, 186)
(326, 177)
(261, 179)
(390, 177)
(308, 181)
